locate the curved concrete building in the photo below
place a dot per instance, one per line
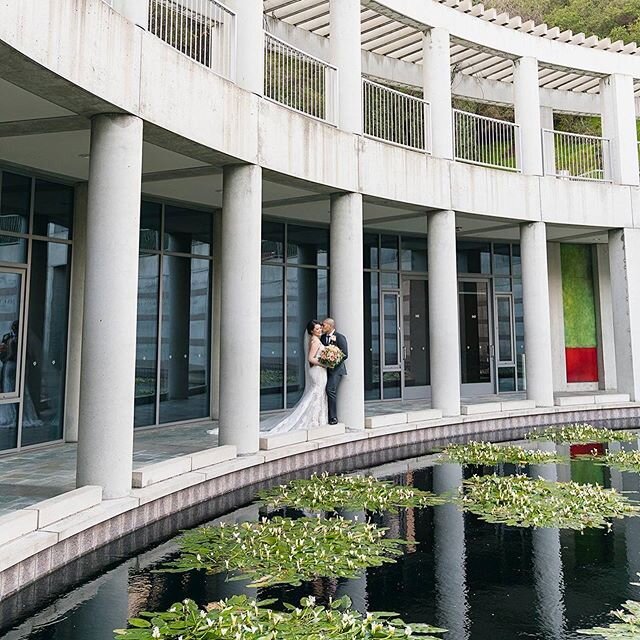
(185, 183)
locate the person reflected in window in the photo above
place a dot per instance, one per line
(8, 357)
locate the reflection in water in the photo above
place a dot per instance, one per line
(450, 555)
(480, 581)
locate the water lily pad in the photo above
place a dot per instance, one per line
(331, 492)
(490, 454)
(286, 551)
(581, 434)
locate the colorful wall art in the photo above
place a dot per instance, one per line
(580, 332)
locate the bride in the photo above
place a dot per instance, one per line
(311, 410)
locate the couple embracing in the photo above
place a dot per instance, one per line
(326, 351)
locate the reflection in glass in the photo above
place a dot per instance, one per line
(307, 299)
(184, 362)
(147, 339)
(9, 426)
(413, 256)
(391, 344)
(10, 345)
(473, 257)
(505, 337)
(15, 201)
(187, 230)
(307, 245)
(43, 397)
(501, 259)
(506, 379)
(370, 253)
(389, 252)
(391, 388)
(150, 224)
(53, 209)
(272, 242)
(371, 337)
(271, 338)
(415, 305)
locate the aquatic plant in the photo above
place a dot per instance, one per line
(622, 460)
(239, 617)
(285, 551)
(577, 433)
(490, 454)
(330, 492)
(522, 501)
(627, 627)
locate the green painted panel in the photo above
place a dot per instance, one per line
(578, 296)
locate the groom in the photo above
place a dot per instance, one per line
(334, 376)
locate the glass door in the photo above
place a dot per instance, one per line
(415, 336)
(476, 341)
(12, 295)
(505, 353)
(391, 351)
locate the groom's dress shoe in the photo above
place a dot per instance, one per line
(333, 421)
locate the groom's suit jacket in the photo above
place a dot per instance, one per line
(340, 342)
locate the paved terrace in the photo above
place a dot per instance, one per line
(31, 476)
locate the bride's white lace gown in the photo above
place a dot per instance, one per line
(311, 411)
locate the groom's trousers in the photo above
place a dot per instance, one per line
(333, 380)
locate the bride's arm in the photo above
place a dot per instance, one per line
(313, 350)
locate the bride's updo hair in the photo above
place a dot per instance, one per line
(311, 326)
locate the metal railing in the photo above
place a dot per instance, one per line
(575, 156)
(299, 80)
(486, 141)
(204, 30)
(395, 116)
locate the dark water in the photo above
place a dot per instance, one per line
(478, 580)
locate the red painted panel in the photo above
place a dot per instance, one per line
(596, 448)
(582, 364)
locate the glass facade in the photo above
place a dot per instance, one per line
(295, 289)
(35, 257)
(173, 352)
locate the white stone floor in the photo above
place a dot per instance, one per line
(37, 474)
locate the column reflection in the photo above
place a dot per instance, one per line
(450, 556)
(547, 563)
(355, 588)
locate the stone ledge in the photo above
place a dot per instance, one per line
(208, 457)
(612, 398)
(66, 504)
(88, 518)
(285, 452)
(572, 401)
(390, 429)
(224, 468)
(424, 415)
(277, 440)
(385, 420)
(18, 550)
(484, 407)
(517, 405)
(159, 471)
(349, 436)
(326, 431)
(16, 524)
(168, 486)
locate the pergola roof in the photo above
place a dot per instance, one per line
(389, 37)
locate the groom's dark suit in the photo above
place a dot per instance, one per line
(334, 376)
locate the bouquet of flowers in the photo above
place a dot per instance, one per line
(331, 357)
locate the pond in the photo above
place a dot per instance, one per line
(477, 580)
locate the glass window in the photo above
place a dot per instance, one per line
(371, 337)
(272, 242)
(390, 302)
(147, 339)
(15, 202)
(150, 216)
(371, 251)
(8, 426)
(516, 263)
(187, 230)
(43, 398)
(307, 245)
(506, 379)
(413, 256)
(307, 300)
(473, 257)
(389, 280)
(272, 338)
(389, 252)
(502, 284)
(501, 260)
(391, 385)
(53, 209)
(184, 363)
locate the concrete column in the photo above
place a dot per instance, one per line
(107, 384)
(548, 151)
(76, 303)
(249, 54)
(436, 66)
(526, 102)
(215, 316)
(137, 11)
(624, 262)
(344, 18)
(347, 306)
(619, 125)
(444, 334)
(450, 554)
(537, 320)
(239, 419)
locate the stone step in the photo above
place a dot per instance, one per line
(326, 431)
(16, 524)
(66, 504)
(571, 401)
(517, 405)
(424, 415)
(385, 420)
(611, 398)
